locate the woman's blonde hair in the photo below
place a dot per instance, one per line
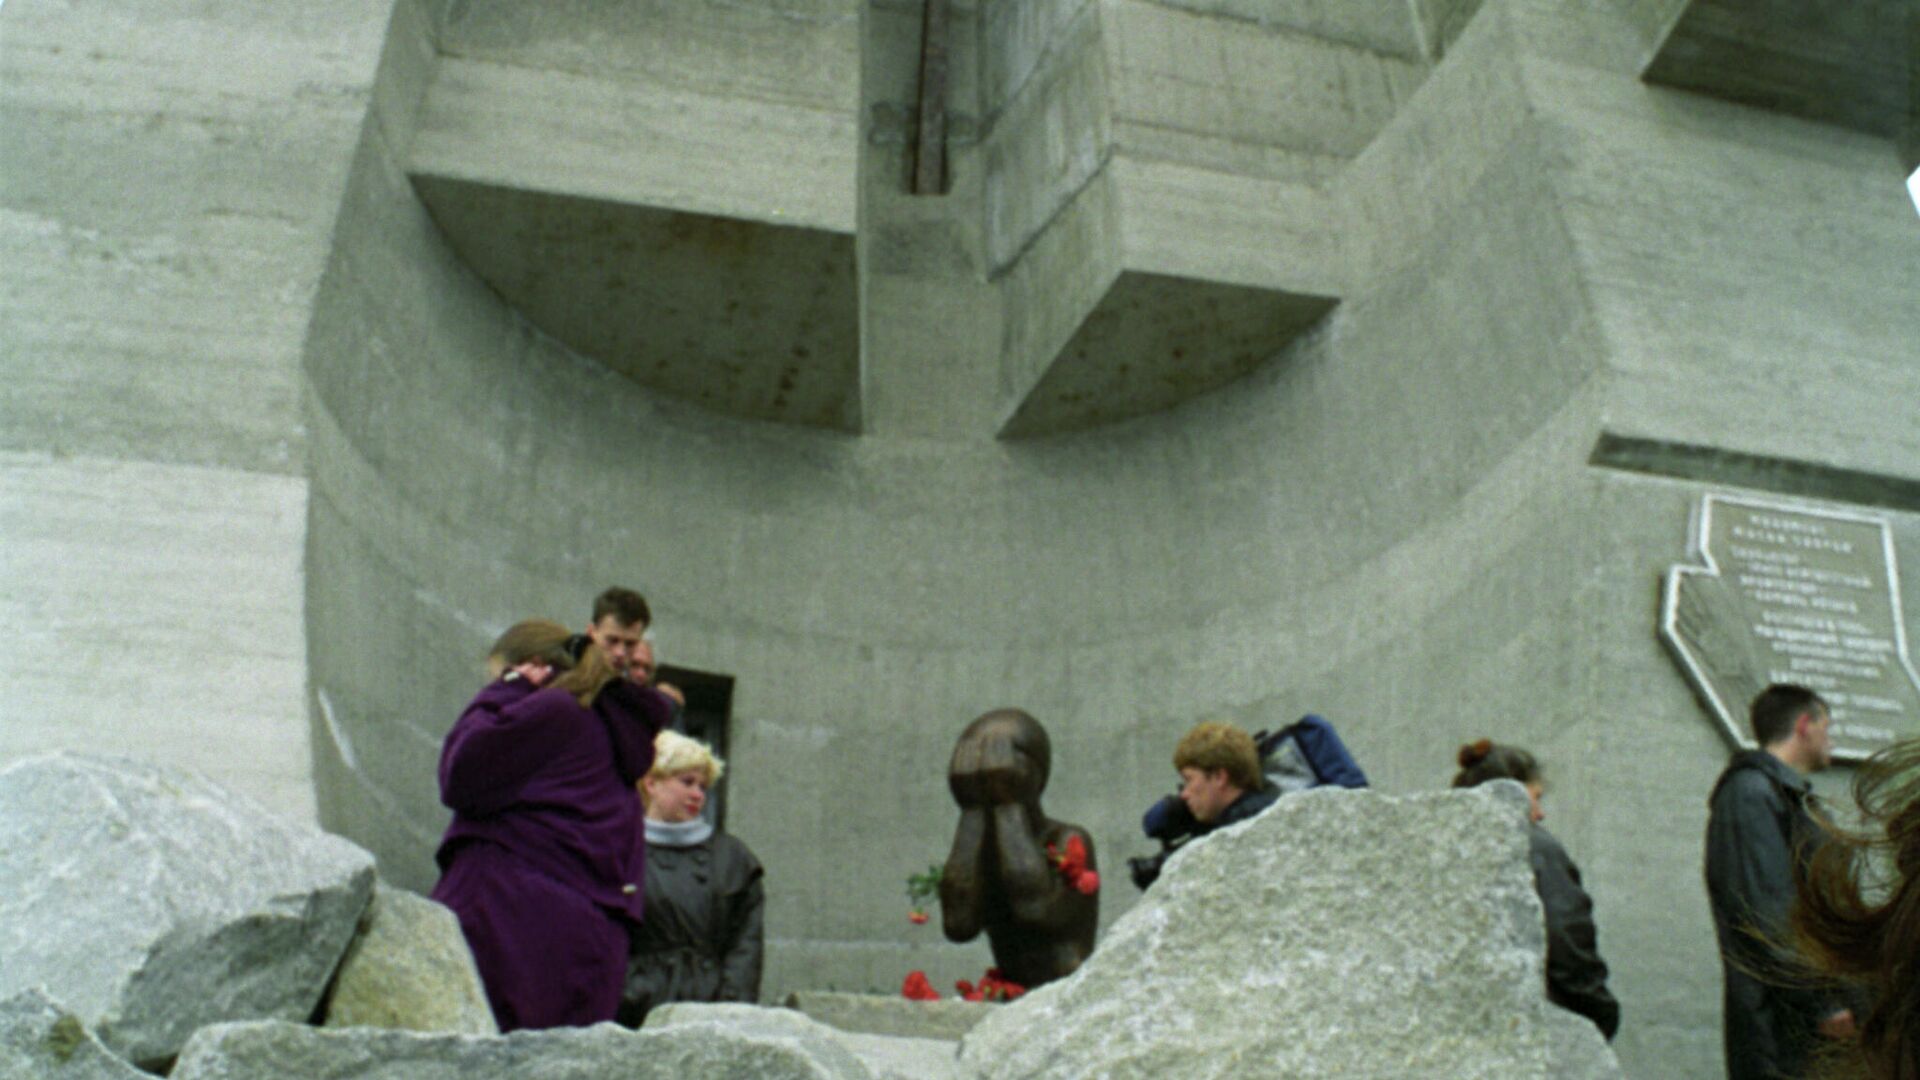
(674, 753)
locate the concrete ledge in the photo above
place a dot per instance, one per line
(873, 1014)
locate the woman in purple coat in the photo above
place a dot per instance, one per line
(543, 861)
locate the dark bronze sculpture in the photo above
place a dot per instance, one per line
(1000, 877)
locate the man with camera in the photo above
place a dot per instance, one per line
(1220, 784)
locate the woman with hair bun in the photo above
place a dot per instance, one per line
(543, 861)
(1576, 976)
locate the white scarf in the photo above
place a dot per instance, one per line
(679, 833)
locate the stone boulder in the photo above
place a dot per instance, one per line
(849, 1054)
(409, 968)
(879, 1014)
(39, 1040)
(247, 1051)
(1339, 934)
(150, 901)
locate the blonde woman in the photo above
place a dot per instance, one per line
(701, 939)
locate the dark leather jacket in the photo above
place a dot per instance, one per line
(701, 938)
(1576, 976)
(1759, 836)
(1247, 805)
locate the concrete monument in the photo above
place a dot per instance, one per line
(1258, 358)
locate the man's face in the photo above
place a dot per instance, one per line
(643, 662)
(1818, 734)
(1206, 793)
(618, 640)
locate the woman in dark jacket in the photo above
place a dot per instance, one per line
(542, 862)
(1576, 976)
(701, 939)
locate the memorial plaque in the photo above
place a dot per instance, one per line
(1794, 594)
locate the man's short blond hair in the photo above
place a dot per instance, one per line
(674, 753)
(1217, 745)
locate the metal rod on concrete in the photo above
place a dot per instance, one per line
(930, 145)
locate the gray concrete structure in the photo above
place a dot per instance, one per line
(336, 338)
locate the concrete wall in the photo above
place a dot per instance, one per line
(1399, 522)
(170, 178)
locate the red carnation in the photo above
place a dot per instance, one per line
(992, 986)
(917, 988)
(917, 918)
(1073, 866)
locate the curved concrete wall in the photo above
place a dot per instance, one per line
(1286, 544)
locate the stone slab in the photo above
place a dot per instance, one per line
(40, 1040)
(1339, 934)
(409, 968)
(601, 1052)
(877, 1014)
(153, 902)
(1796, 593)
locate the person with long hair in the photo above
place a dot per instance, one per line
(544, 859)
(1857, 918)
(1576, 976)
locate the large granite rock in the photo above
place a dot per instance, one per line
(1339, 934)
(39, 1040)
(849, 1054)
(765, 1051)
(151, 902)
(410, 968)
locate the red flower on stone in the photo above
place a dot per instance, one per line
(917, 918)
(917, 988)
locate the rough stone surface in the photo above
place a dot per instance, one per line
(409, 968)
(848, 1054)
(890, 1057)
(1397, 936)
(152, 902)
(602, 1052)
(877, 1014)
(39, 1040)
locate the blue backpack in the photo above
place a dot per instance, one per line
(1306, 754)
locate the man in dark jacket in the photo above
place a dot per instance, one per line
(1220, 778)
(1759, 836)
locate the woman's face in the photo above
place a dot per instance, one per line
(676, 798)
(1535, 811)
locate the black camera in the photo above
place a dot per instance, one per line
(1170, 822)
(1145, 869)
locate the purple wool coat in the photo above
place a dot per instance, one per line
(544, 861)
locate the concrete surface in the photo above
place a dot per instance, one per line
(1843, 64)
(1406, 519)
(169, 177)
